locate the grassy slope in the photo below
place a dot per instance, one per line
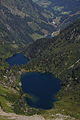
(62, 10)
(7, 98)
(18, 25)
(62, 52)
(61, 57)
(11, 99)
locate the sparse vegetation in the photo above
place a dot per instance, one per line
(59, 55)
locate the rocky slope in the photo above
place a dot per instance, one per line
(12, 116)
(63, 12)
(61, 57)
(22, 21)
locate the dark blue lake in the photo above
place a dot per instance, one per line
(17, 59)
(42, 87)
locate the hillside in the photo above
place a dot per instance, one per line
(22, 21)
(23, 29)
(61, 57)
(63, 12)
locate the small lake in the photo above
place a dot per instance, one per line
(17, 59)
(42, 88)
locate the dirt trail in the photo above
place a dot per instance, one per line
(74, 64)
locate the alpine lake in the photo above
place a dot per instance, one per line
(41, 87)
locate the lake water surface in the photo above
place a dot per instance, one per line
(42, 87)
(17, 59)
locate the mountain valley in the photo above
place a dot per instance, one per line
(24, 29)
